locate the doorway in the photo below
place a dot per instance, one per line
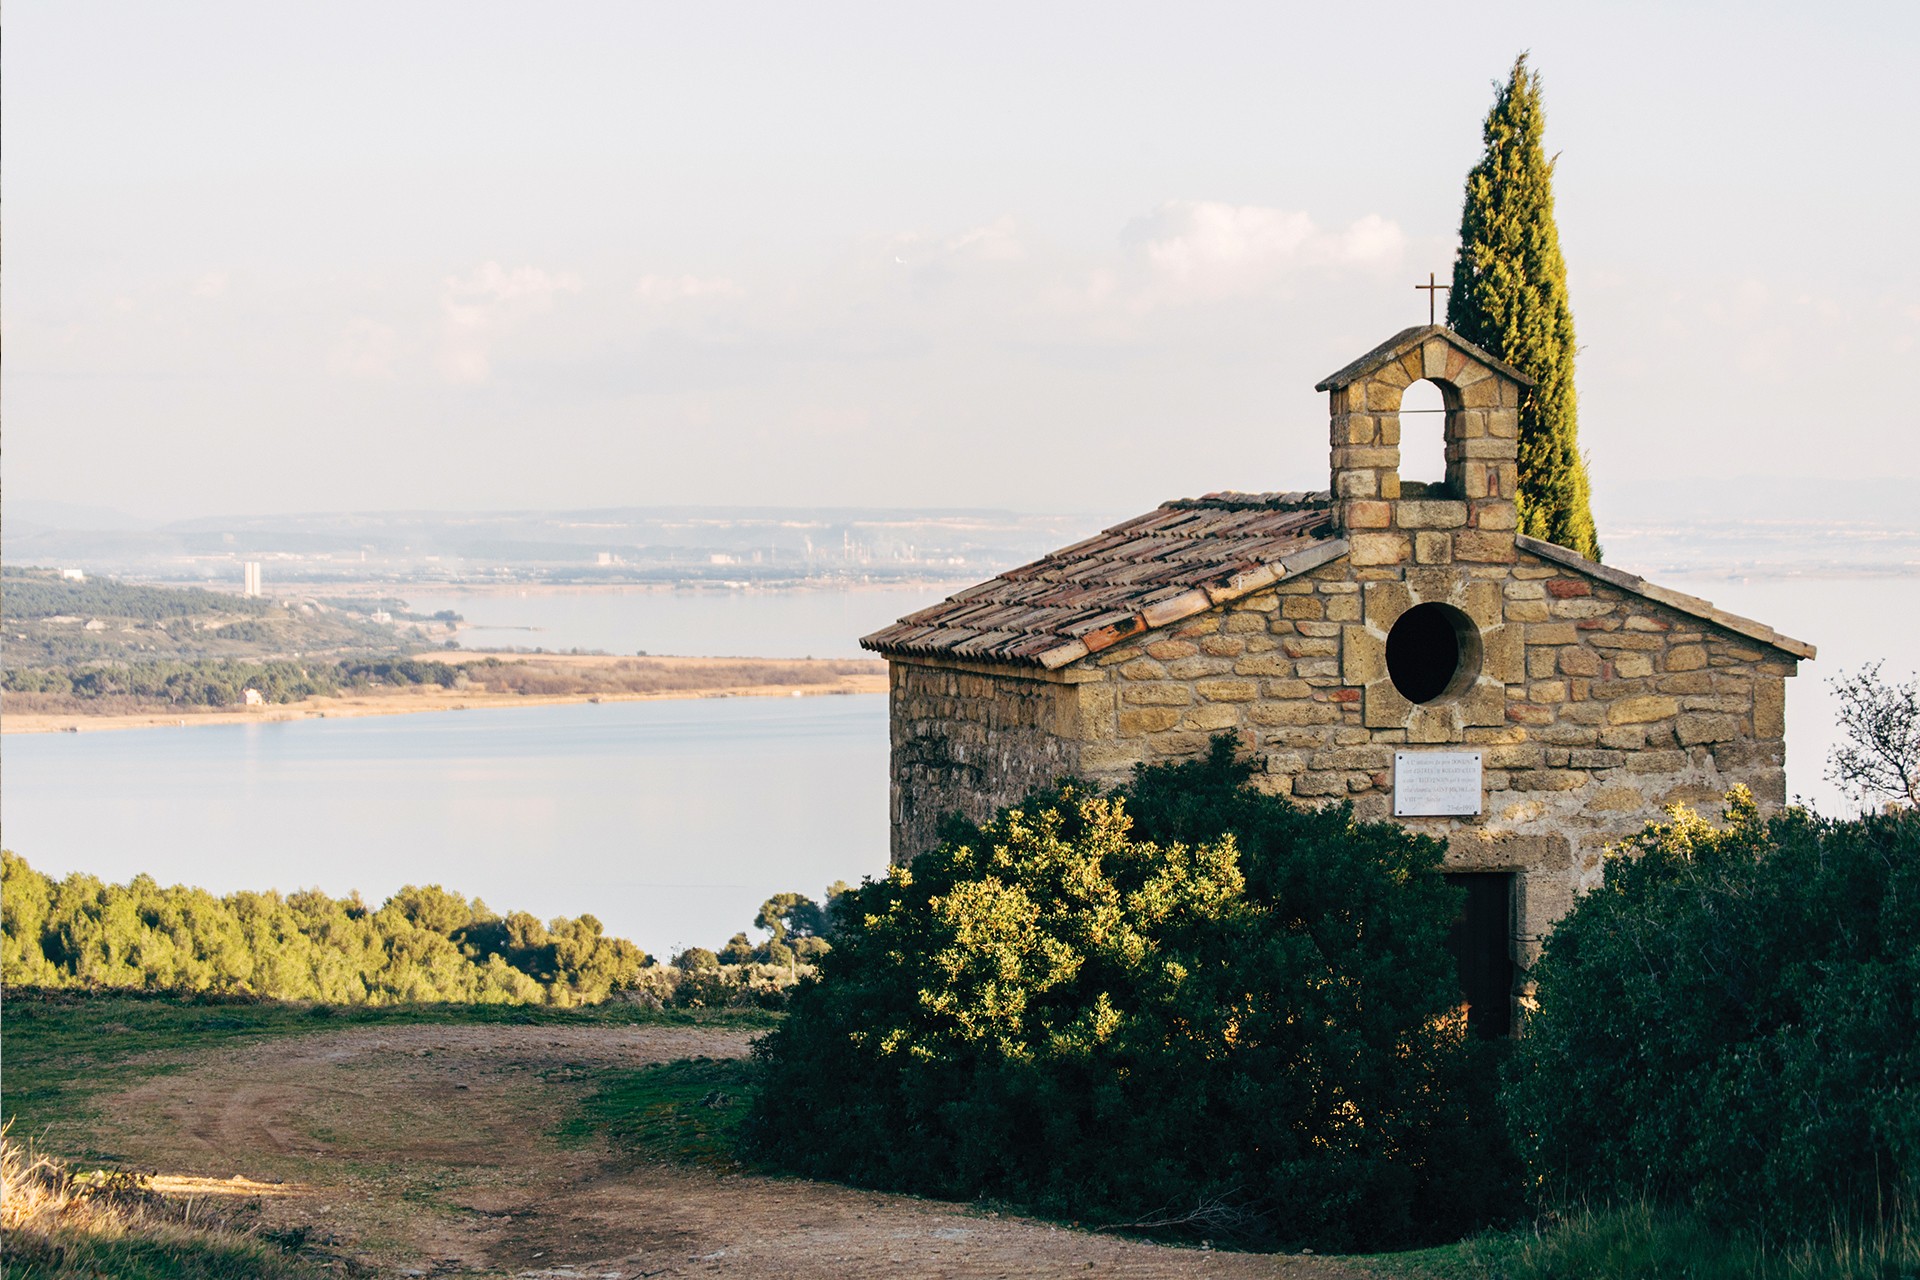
(1482, 949)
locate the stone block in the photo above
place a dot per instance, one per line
(1644, 710)
(1686, 657)
(1369, 515)
(1770, 708)
(1527, 611)
(1135, 721)
(1286, 689)
(1503, 655)
(1542, 663)
(1568, 588)
(1325, 783)
(1264, 664)
(1227, 690)
(1240, 624)
(1386, 601)
(1161, 693)
(1495, 515)
(1480, 546)
(1577, 661)
(1696, 727)
(1211, 718)
(1166, 650)
(1223, 646)
(1143, 668)
(1430, 513)
(1579, 608)
(1197, 668)
(1548, 780)
(1548, 692)
(1632, 666)
(1310, 647)
(1297, 607)
(1293, 713)
(1432, 548)
(1343, 608)
(1348, 457)
(1358, 484)
(1379, 548)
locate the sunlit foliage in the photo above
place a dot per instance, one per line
(1188, 1006)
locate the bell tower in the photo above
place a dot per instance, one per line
(1470, 516)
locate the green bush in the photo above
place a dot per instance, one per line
(1731, 1024)
(1188, 1006)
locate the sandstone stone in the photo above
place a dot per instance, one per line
(1223, 646)
(1227, 690)
(1211, 718)
(1369, 515)
(1568, 588)
(1548, 691)
(1482, 546)
(1770, 708)
(1291, 713)
(1547, 780)
(1430, 513)
(1140, 720)
(1579, 608)
(1297, 607)
(1287, 689)
(1632, 666)
(1552, 633)
(1542, 663)
(1698, 727)
(1195, 668)
(1143, 669)
(1343, 608)
(1432, 548)
(1642, 710)
(1379, 548)
(1265, 664)
(1579, 662)
(1310, 647)
(1166, 649)
(1690, 657)
(1164, 693)
(1241, 624)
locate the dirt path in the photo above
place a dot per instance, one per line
(429, 1150)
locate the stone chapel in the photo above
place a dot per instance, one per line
(1395, 644)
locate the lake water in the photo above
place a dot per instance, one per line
(711, 623)
(671, 821)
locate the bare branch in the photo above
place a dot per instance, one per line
(1880, 756)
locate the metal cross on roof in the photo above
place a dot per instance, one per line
(1432, 290)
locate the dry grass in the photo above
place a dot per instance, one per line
(549, 676)
(59, 1224)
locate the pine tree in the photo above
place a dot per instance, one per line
(1509, 296)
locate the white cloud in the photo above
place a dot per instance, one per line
(486, 301)
(1199, 249)
(211, 285)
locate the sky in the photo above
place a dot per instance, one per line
(1048, 257)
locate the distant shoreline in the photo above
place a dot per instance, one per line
(418, 698)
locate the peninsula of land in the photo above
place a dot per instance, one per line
(477, 680)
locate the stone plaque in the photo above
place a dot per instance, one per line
(1436, 784)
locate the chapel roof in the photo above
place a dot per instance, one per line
(1180, 559)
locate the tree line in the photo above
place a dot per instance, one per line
(422, 945)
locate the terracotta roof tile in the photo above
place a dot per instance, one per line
(1175, 561)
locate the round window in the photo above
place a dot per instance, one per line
(1433, 651)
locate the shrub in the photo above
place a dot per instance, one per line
(1188, 1006)
(1732, 1022)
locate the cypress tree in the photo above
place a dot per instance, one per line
(1509, 297)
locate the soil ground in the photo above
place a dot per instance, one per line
(431, 1150)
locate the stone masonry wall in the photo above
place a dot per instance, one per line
(1611, 707)
(970, 739)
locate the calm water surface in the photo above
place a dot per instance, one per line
(671, 821)
(706, 624)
